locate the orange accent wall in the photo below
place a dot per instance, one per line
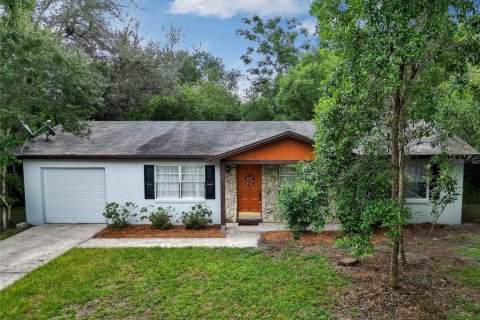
(284, 149)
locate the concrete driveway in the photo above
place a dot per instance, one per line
(33, 247)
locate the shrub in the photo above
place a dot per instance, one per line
(118, 217)
(300, 207)
(197, 218)
(161, 218)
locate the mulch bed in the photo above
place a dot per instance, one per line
(426, 291)
(146, 231)
(310, 237)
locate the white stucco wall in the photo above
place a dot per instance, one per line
(452, 213)
(124, 180)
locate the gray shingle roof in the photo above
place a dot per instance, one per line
(169, 139)
(188, 139)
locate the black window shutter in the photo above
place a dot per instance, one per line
(149, 181)
(209, 182)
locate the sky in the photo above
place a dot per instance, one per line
(211, 24)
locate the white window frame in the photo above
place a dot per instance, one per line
(427, 186)
(180, 181)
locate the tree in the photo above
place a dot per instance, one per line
(136, 73)
(303, 203)
(276, 43)
(39, 80)
(212, 102)
(395, 56)
(443, 186)
(203, 66)
(87, 25)
(458, 101)
(205, 101)
(175, 108)
(302, 86)
(257, 109)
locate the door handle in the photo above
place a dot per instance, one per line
(260, 196)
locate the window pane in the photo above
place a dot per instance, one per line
(287, 174)
(193, 169)
(416, 186)
(167, 177)
(193, 189)
(167, 182)
(287, 170)
(168, 189)
(167, 169)
(193, 173)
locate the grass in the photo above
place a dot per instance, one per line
(176, 283)
(467, 275)
(8, 233)
(472, 250)
(18, 215)
(464, 310)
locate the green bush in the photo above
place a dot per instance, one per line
(161, 218)
(301, 207)
(118, 217)
(197, 218)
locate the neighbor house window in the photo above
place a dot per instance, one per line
(287, 174)
(416, 186)
(180, 181)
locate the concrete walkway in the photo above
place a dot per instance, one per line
(33, 247)
(237, 237)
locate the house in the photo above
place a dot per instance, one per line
(235, 168)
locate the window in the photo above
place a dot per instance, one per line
(180, 181)
(287, 174)
(416, 186)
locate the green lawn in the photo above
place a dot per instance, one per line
(176, 283)
(467, 275)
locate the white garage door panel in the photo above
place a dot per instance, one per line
(74, 195)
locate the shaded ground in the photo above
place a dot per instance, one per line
(18, 215)
(440, 281)
(471, 213)
(146, 231)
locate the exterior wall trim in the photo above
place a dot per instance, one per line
(287, 134)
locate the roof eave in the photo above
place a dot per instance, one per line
(111, 157)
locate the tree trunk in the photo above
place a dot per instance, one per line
(395, 165)
(4, 219)
(401, 179)
(4, 205)
(3, 200)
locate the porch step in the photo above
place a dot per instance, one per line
(249, 222)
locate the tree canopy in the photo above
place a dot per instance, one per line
(395, 60)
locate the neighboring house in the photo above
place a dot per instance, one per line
(235, 168)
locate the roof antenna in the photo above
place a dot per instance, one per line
(31, 135)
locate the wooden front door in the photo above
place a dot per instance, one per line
(249, 191)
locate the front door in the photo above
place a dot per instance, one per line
(249, 191)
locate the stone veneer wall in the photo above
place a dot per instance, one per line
(270, 186)
(231, 194)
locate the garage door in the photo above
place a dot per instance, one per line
(74, 195)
